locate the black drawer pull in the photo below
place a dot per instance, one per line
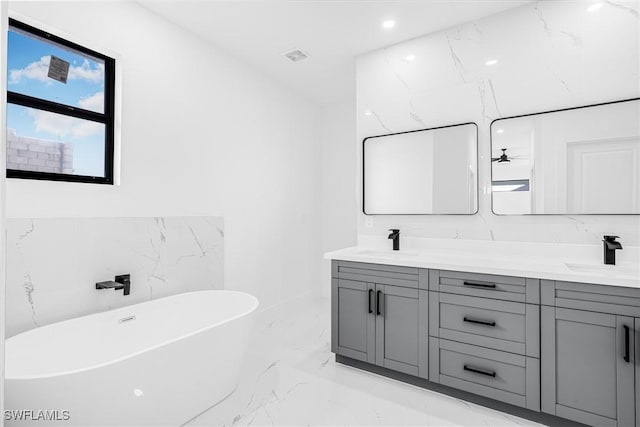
(480, 322)
(378, 298)
(626, 343)
(370, 292)
(480, 371)
(480, 285)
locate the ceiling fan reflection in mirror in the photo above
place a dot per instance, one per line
(506, 158)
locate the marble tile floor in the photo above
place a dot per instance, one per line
(290, 378)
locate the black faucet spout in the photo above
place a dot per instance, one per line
(121, 282)
(610, 246)
(395, 235)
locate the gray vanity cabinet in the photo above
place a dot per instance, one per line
(485, 335)
(507, 377)
(567, 349)
(355, 335)
(378, 316)
(589, 357)
(397, 328)
(585, 376)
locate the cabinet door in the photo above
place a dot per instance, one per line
(397, 320)
(353, 319)
(585, 376)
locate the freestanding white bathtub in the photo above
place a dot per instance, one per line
(157, 363)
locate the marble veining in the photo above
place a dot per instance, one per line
(382, 125)
(631, 10)
(290, 378)
(550, 55)
(577, 41)
(53, 264)
(456, 60)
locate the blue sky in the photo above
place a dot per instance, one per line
(27, 67)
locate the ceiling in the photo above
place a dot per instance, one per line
(332, 32)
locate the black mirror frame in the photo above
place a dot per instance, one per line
(536, 114)
(414, 131)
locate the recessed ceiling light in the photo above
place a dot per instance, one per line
(594, 7)
(491, 62)
(368, 112)
(388, 24)
(500, 131)
(410, 57)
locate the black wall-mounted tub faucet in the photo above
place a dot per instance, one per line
(395, 235)
(122, 281)
(610, 246)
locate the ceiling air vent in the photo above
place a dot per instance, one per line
(296, 55)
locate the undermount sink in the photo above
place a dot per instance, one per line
(623, 271)
(386, 253)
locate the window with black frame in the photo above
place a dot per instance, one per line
(60, 108)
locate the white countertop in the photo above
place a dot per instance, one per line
(540, 261)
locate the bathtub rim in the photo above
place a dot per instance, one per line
(255, 303)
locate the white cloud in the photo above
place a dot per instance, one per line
(38, 70)
(63, 126)
(86, 72)
(93, 102)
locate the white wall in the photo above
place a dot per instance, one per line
(550, 55)
(202, 134)
(338, 213)
(3, 82)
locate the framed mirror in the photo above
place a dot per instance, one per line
(422, 172)
(578, 161)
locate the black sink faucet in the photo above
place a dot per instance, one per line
(395, 235)
(610, 247)
(121, 282)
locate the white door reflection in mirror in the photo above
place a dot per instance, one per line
(583, 160)
(429, 171)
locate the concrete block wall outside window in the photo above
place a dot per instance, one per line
(40, 155)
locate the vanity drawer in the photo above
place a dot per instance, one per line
(502, 376)
(507, 288)
(501, 325)
(376, 273)
(586, 296)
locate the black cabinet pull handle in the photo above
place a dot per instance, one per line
(480, 371)
(378, 297)
(370, 292)
(480, 322)
(626, 343)
(480, 285)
